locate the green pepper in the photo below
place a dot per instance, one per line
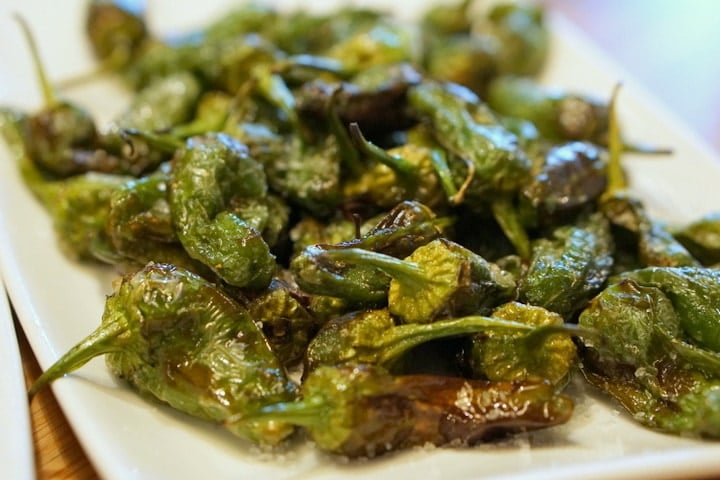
(401, 231)
(642, 359)
(437, 280)
(361, 411)
(372, 337)
(177, 338)
(694, 293)
(486, 155)
(286, 323)
(116, 31)
(642, 236)
(510, 356)
(568, 177)
(209, 173)
(558, 115)
(570, 268)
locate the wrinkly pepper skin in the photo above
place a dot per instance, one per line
(177, 338)
(372, 337)
(361, 411)
(139, 225)
(400, 232)
(695, 295)
(570, 268)
(643, 359)
(466, 128)
(508, 356)
(285, 322)
(457, 282)
(207, 174)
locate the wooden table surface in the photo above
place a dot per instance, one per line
(669, 46)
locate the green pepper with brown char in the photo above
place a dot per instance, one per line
(645, 356)
(372, 337)
(401, 231)
(647, 240)
(361, 411)
(177, 338)
(701, 238)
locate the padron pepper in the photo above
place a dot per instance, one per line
(361, 411)
(642, 237)
(510, 356)
(401, 231)
(485, 155)
(209, 173)
(372, 337)
(439, 279)
(644, 358)
(568, 269)
(288, 326)
(177, 338)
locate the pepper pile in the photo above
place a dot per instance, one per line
(436, 240)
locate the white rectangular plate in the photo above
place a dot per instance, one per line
(16, 453)
(59, 301)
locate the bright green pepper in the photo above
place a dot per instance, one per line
(209, 173)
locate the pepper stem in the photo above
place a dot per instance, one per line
(442, 170)
(307, 412)
(397, 163)
(401, 270)
(103, 340)
(47, 90)
(348, 155)
(706, 360)
(615, 175)
(506, 216)
(402, 338)
(162, 141)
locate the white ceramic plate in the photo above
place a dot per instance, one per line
(60, 301)
(16, 453)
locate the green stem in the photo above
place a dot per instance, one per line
(615, 175)
(401, 270)
(402, 338)
(705, 360)
(274, 89)
(348, 155)
(103, 340)
(162, 141)
(509, 221)
(47, 91)
(305, 413)
(442, 170)
(398, 164)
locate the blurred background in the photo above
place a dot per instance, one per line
(670, 47)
